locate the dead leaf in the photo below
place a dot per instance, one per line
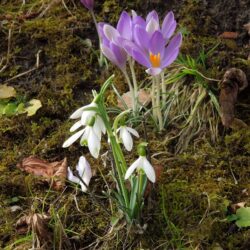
(55, 172)
(234, 81)
(34, 105)
(38, 223)
(229, 35)
(143, 98)
(7, 92)
(234, 207)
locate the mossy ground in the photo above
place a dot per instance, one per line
(187, 207)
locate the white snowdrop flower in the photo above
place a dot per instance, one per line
(145, 165)
(92, 139)
(125, 136)
(89, 137)
(84, 171)
(84, 114)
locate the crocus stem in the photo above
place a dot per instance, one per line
(101, 58)
(164, 90)
(132, 69)
(158, 102)
(153, 99)
(131, 89)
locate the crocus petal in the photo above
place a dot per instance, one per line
(132, 168)
(77, 114)
(111, 56)
(168, 25)
(124, 25)
(75, 126)
(71, 177)
(148, 169)
(120, 54)
(89, 4)
(94, 144)
(133, 132)
(175, 42)
(172, 50)
(137, 53)
(73, 138)
(153, 14)
(111, 33)
(154, 71)
(134, 14)
(170, 57)
(157, 43)
(152, 26)
(141, 37)
(126, 138)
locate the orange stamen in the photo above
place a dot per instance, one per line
(155, 60)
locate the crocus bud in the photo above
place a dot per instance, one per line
(89, 4)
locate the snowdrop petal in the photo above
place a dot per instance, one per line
(83, 187)
(133, 132)
(81, 165)
(94, 144)
(77, 114)
(126, 138)
(75, 126)
(132, 168)
(71, 177)
(73, 138)
(84, 170)
(100, 124)
(87, 173)
(148, 169)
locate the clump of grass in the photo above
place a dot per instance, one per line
(191, 102)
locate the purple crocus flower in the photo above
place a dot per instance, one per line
(89, 4)
(149, 46)
(109, 45)
(153, 53)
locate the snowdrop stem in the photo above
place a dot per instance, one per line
(119, 159)
(118, 118)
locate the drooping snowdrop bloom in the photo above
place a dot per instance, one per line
(89, 4)
(142, 164)
(125, 136)
(90, 136)
(84, 171)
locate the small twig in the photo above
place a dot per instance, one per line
(28, 71)
(207, 210)
(235, 180)
(65, 6)
(48, 8)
